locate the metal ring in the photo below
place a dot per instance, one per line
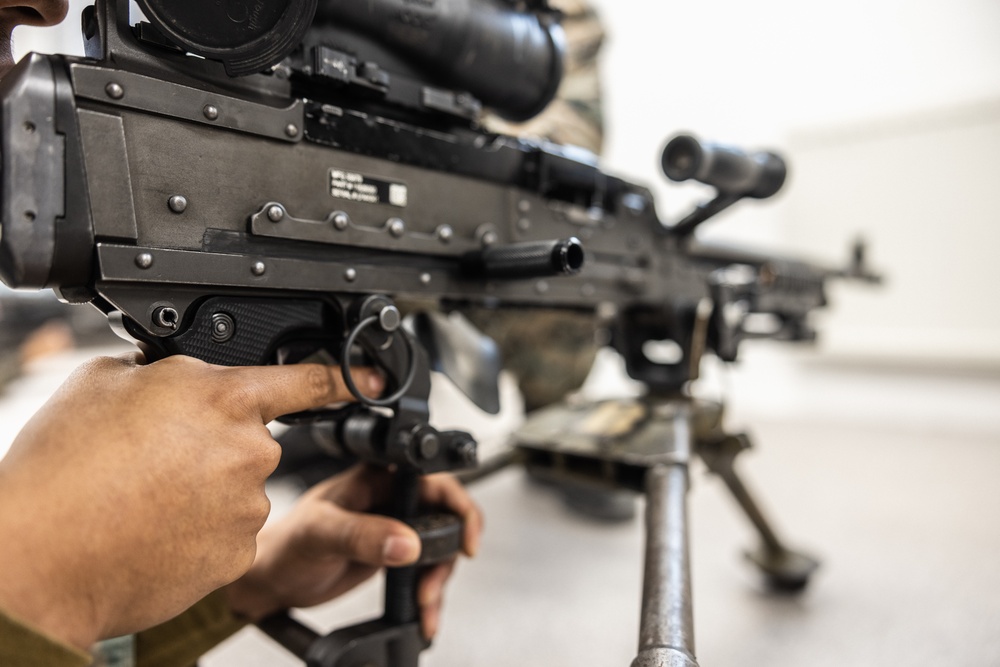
(345, 367)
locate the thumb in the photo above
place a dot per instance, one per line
(366, 538)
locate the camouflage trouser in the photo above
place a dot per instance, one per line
(550, 351)
(575, 116)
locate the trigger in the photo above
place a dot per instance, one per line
(304, 353)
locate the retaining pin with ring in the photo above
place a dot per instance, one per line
(388, 320)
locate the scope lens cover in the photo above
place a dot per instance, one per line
(247, 36)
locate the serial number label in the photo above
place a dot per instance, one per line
(353, 186)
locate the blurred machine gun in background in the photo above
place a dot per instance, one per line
(266, 186)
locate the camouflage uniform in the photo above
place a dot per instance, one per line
(551, 351)
(574, 117)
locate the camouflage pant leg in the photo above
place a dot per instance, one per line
(575, 116)
(551, 352)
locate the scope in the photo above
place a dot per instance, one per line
(730, 170)
(246, 37)
(508, 58)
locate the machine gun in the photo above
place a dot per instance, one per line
(248, 186)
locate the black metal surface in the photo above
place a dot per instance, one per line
(246, 38)
(674, 321)
(440, 536)
(373, 644)
(554, 171)
(109, 36)
(33, 165)
(191, 103)
(519, 261)
(509, 59)
(734, 174)
(295, 637)
(401, 582)
(72, 262)
(338, 228)
(110, 181)
(439, 280)
(728, 169)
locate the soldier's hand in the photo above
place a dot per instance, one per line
(137, 490)
(328, 544)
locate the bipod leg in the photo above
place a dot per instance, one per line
(784, 568)
(666, 632)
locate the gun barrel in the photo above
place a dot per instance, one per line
(730, 170)
(666, 627)
(528, 260)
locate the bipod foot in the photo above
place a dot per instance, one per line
(786, 571)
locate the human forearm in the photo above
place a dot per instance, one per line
(40, 585)
(138, 489)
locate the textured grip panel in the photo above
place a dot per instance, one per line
(258, 326)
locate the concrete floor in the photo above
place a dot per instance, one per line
(888, 476)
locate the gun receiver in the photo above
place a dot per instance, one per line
(282, 215)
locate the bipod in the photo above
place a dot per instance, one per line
(783, 568)
(646, 445)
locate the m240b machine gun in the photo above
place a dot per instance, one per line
(255, 183)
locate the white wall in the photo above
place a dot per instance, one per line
(63, 38)
(924, 188)
(753, 70)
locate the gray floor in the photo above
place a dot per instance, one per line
(889, 477)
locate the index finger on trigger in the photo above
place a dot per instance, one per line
(446, 491)
(283, 390)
